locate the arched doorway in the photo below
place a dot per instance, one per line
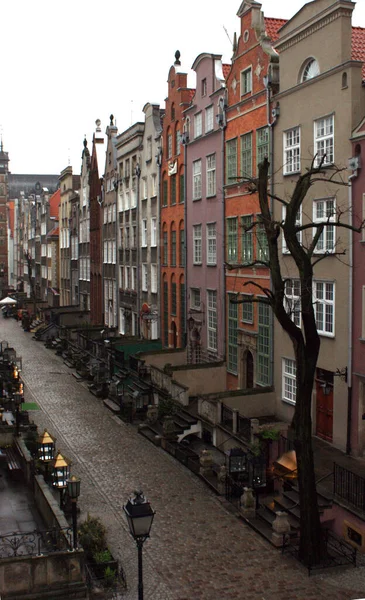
(249, 370)
(174, 334)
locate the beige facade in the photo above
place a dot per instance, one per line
(68, 183)
(321, 100)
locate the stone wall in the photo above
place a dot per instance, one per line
(160, 359)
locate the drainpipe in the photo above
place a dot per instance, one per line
(349, 358)
(185, 142)
(159, 312)
(139, 282)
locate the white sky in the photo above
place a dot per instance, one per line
(66, 64)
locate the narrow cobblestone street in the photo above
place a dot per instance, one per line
(197, 549)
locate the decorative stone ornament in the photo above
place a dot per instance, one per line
(221, 480)
(248, 503)
(281, 527)
(169, 428)
(206, 462)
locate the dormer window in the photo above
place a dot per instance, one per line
(310, 70)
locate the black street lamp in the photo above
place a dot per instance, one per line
(139, 516)
(46, 449)
(73, 488)
(60, 474)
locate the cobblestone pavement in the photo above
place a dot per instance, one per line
(197, 549)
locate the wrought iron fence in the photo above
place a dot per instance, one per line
(35, 542)
(349, 487)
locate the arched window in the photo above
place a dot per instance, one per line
(173, 296)
(165, 310)
(165, 245)
(169, 143)
(164, 189)
(310, 69)
(173, 245)
(177, 139)
(181, 244)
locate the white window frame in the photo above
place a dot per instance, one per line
(144, 188)
(153, 279)
(144, 278)
(209, 118)
(153, 232)
(212, 321)
(324, 305)
(211, 244)
(291, 147)
(144, 233)
(327, 242)
(324, 139)
(195, 295)
(198, 125)
(197, 244)
(289, 380)
(246, 81)
(292, 301)
(211, 175)
(197, 179)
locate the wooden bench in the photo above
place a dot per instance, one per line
(12, 460)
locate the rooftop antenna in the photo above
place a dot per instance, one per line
(227, 34)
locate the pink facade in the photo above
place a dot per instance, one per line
(205, 212)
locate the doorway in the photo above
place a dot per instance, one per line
(324, 404)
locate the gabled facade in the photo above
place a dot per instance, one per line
(69, 183)
(204, 275)
(128, 146)
(96, 266)
(173, 207)
(321, 99)
(247, 142)
(110, 230)
(84, 231)
(74, 246)
(149, 216)
(4, 167)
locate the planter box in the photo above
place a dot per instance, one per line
(99, 568)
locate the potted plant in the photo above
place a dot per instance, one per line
(92, 537)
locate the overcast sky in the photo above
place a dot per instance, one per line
(66, 64)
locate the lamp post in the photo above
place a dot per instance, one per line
(46, 449)
(60, 474)
(139, 516)
(73, 488)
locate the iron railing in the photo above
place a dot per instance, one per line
(349, 487)
(35, 543)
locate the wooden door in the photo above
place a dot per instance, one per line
(324, 422)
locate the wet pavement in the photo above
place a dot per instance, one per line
(197, 550)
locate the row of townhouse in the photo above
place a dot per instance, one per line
(159, 211)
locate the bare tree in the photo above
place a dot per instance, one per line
(305, 339)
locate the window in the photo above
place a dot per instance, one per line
(246, 155)
(292, 151)
(262, 144)
(173, 248)
(231, 161)
(173, 189)
(144, 278)
(149, 148)
(211, 175)
(165, 248)
(292, 300)
(262, 250)
(247, 239)
(289, 381)
(197, 179)
(324, 211)
(209, 119)
(153, 232)
(232, 359)
(126, 278)
(195, 298)
(165, 313)
(178, 141)
(198, 125)
(169, 145)
(246, 81)
(144, 188)
(197, 244)
(173, 299)
(164, 193)
(311, 69)
(153, 279)
(212, 320)
(324, 306)
(247, 309)
(324, 140)
(204, 87)
(182, 247)
(232, 243)
(144, 232)
(133, 278)
(182, 189)
(211, 244)
(264, 345)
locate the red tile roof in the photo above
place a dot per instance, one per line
(226, 70)
(54, 201)
(358, 46)
(272, 27)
